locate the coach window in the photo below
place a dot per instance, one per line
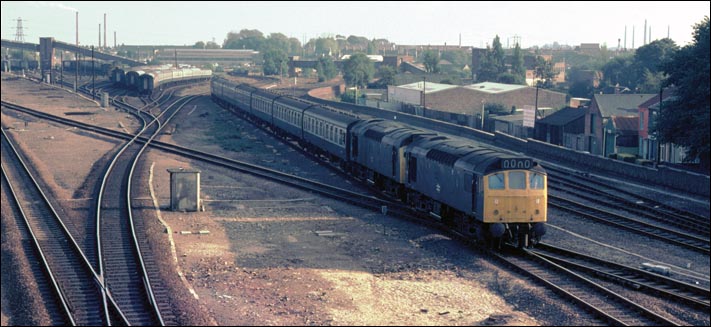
(496, 181)
(517, 180)
(536, 181)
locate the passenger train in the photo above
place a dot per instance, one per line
(485, 194)
(146, 79)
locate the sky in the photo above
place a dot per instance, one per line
(184, 23)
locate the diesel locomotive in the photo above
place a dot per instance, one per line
(484, 193)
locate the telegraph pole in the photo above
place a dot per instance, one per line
(92, 72)
(659, 117)
(424, 92)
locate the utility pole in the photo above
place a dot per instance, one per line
(76, 72)
(424, 92)
(537, 85)
(659, 117)
(482, 114)
(92, 73)
(61, 69)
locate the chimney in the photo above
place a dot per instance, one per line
(104, 30)
(98, 45)
(114, 39)
(644, 40)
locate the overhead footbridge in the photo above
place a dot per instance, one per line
(48, 44)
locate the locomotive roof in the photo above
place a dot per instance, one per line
(486, 160)
(466, 155)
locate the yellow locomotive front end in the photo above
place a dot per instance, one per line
(515, 205)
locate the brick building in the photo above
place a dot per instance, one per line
(464, 104)
(604, 107)
(470, 98)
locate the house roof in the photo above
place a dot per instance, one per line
(494, 88)
(666, 93)
(563, 116)
(625, 125)
(430, 87)
(620, 104)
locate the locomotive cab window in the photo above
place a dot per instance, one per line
(496, 181)
(517, 180)
(536, 181)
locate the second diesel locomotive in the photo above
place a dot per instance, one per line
(484, 193)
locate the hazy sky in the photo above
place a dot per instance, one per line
(537, 23)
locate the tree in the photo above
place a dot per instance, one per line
(492, 63)
(325, 46)
(211, 45)
(358, 70)
(620, 71)
(199, 45)
(544, 72)
(277, 41)
(684, 120)
(517, 68)
(431, 60)
(326, 69)
(652, 55)
(387, 76)
(245, 39)
(487, 71)
(581, 89)
(497, 56)
(509, 78)
(275, 62)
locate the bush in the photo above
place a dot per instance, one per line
(612, 155)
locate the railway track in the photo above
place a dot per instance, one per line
(682, 239)
(610, 307)
(630, 277)
(615, 318)
(80, 289)
(633, 201)
(40, 271)
(122, 256)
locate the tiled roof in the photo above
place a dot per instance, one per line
(625, 123)
(620, 104)
(563, 116)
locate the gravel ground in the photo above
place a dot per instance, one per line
(281, 256)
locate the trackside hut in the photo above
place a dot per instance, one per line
(565, 127)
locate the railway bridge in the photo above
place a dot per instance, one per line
(48, 44)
